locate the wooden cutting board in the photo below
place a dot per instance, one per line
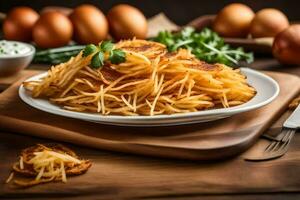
(212, 140)
(6, 81)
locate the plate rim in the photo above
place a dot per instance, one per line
(98, 118)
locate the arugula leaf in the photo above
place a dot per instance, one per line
(106, 46)
(89, 49)
(117, 56)
(205, 45)
(97, 60)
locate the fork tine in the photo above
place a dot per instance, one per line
(288, 140)
(287, 136)
(277, 144)
(290, 135)
(271, 145)
(277, 148)
(283, 142)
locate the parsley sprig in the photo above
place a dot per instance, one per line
(116, 56)
(205, 45)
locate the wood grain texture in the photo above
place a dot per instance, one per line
(212, 140)
(125, 176)
(6, 81)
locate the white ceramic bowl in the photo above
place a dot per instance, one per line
(11, 64)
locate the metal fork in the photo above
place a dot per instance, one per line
(277, 148)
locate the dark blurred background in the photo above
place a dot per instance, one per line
(180, 11)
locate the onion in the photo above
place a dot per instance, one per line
(233, 20)
(286, 46)
(127, 22)
(90, 24)
(268, 22)
(53, 29)
(19, 23)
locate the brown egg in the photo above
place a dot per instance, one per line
(233, 20)
(90, 24)
(126, 22)
(53, 29)
(19, 23)
(286, 45)
(268, 23)
(63, 10)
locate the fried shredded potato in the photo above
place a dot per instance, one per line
(47, 163)
(151, 81)
(293, 105)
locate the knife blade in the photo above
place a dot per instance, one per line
(294, 119)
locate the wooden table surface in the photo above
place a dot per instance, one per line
(124, 176)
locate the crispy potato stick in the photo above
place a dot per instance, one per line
(150, 82)
(47, 163)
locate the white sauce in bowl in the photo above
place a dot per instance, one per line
(13, 48)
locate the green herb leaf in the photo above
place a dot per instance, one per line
(205, 45)
(97, 60)
(89, 49)
(117, 56)
(106, 46)
(57, 55)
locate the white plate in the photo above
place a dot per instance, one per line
(267, 90)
